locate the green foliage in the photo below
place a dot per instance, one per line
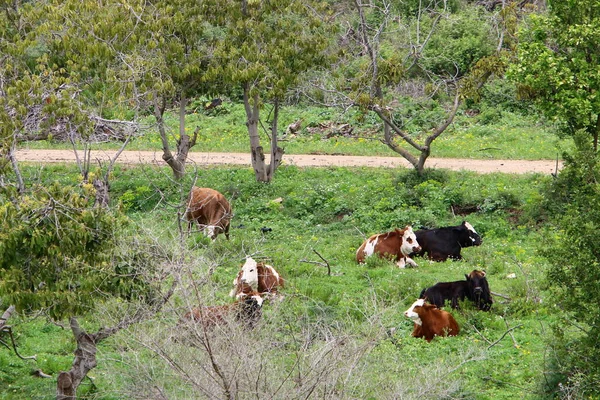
(56, 252)
(574, 276)
(458, 43)
(556, 61)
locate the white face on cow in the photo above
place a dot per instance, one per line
(250, 273)
(409, 242)
(410, 313)
(474, 238)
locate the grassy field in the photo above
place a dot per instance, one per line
(341, 335)
(500, 134)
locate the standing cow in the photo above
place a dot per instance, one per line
(256, 276)
(474, 288)
(210, 210)
(443, 243)
(430, 321)
(396, 245)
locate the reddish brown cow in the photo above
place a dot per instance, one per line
(431, 321)
(247, 309)
(258, 277)
(210, 210)
(396, 245)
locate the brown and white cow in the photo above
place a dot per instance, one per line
(396, 245)
(256, 276)
(430, 321)
(210, 210)
(247, 310)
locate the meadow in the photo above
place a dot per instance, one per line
(339, 331)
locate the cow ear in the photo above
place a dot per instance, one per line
(483, 273)
(467, 276)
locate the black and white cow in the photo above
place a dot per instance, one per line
(442, 243)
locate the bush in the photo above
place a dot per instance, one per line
(574, 274)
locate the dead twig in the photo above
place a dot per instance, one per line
(504, 334)
(500, 295)
(325, 263)
(8, 329)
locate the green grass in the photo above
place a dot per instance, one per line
(507, 135)
(329, 211)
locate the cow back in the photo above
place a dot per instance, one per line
(209, 208)
(441, 292)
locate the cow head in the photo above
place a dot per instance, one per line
(472, 237)
(249, 273)
(409, 241)
(479, 291)
(412, 314)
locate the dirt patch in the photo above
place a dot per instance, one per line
(301, 160)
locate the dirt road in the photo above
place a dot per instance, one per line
(136, 157)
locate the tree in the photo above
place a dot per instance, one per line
(140, 56)
(413, 49)
(557, 62)
(264, 48)
(557, 66)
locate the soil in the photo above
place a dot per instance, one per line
(305, 160)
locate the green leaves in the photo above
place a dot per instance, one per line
(55, 250)
(556, 65)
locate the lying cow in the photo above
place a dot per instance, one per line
(210, 210)
(247, 310)
(430, 321)
(443, 243)
(396, 245)
(256, 276)
(474, 288)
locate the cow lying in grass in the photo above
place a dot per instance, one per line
(395, 245)
(442, 243)
(474, 288)
(256, 277)
(246, 310)
(430, 321)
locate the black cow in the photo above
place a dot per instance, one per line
(443, 243)
(474, 288)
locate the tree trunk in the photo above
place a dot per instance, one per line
(15, 166)
(262, 171)
(85, 360)
(184, 143)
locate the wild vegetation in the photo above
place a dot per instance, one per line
(96, 259)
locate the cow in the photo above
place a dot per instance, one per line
(442, 243)
(397, 245)
(474, 288)
(210, 210)
(256, 276)
(247, 310)
(430, 321)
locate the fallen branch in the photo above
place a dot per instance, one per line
(8, 329)
(500, 295)
(510, 333)
(323, 264)
(504, 334)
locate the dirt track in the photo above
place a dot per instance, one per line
(136, 157)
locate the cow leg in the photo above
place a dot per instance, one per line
(401, 263)
(411, 262)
